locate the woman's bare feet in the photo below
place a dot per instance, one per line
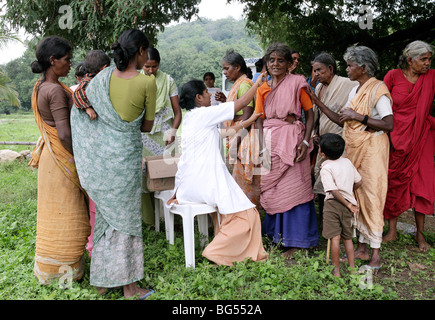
(101, 290)
(362, 254)
(390, 236)
(289, 253)
(422, 244)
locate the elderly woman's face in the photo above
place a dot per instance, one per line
(277, 64)
(354, 72)
(323, 73)
(420, 64)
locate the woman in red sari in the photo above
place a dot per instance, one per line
(411, 174)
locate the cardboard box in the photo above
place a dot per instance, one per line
(161, 171)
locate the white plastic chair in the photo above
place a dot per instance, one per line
(160, 200)
(188, 212)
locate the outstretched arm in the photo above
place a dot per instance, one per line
(334, 117)
(244, 100)
(230, 131)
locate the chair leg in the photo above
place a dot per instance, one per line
(189, 241)
(203, 228)
(169, 225)
(168, 230)
(157, 209)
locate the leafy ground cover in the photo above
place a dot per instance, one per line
(406, 274)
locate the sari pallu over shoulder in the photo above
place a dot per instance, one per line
(288, 183)
(284, 100)
(50, 140)
(369, 154)
(363, 103)
(108, 153)
(62, 214)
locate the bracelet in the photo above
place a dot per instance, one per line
(306, 142)
(241, 123)
(366, 118)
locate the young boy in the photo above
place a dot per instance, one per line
(340, 179)
(95, 61)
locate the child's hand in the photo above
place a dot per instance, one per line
(353, 208)
(91, 113)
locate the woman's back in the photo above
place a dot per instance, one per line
(129, 97)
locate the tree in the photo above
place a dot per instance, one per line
(95, 24)
(328, 25)
(7, 90)
(188, 50)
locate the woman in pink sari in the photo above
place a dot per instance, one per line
(286, 191)
(411, 174)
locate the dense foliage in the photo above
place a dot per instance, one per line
(95, 24)
(329, 25)
(188, 50)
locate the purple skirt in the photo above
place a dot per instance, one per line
(294, 228)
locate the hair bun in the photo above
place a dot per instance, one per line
(116, 46)
(36, 67)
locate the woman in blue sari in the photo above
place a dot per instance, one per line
(109, 163)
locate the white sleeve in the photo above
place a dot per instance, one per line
(214, 115)
(383, 107)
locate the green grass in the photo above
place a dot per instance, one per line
(307, 277)
(18, 127)
(407, 274)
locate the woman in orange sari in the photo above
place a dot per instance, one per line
(243, 149)
(62, 213)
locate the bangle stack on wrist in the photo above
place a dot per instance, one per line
(306, 142)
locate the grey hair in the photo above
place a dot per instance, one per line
(363, 56)
(280, 48)
(327, 60)
(413, 50)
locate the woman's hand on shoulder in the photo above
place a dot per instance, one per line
(314, 98)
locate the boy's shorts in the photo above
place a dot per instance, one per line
(337, 220)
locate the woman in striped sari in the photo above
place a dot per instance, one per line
(62, 213)
(243, 149)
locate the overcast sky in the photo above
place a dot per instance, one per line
(211, 9)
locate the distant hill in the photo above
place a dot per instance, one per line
(188, 50)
